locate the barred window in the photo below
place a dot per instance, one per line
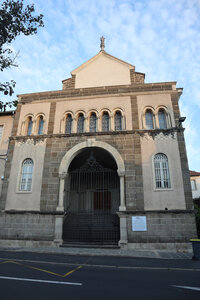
(105, 122)
(162, 119)
(68, 124)
(162, 178)
(30, 126)
(118, 121)
(149, 119)
(40, 125)
(26, 175)
(80, 125)
(93, 122)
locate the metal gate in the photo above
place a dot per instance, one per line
(91, 205)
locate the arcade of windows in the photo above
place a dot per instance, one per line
(33, 125)
(92, 122)
(78, 123)
(159, 118)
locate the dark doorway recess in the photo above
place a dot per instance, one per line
(92, 199)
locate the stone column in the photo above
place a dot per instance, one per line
(112, 123)
(60, 206)
(58, 230)
(122, 206)
(123, 231)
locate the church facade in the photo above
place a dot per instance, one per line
(102, 161)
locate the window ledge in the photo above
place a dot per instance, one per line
(23, 192)
(163, 189)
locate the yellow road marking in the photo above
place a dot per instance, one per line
(42, 270)
(5, 262)
(72, 271)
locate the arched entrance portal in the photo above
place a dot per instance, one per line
(92, 199)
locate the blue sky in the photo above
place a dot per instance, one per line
(161, 38)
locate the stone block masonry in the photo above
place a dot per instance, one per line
(27, 226)
(163, 227)
(56, 148)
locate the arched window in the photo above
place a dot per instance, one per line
(80, 124)
(29, 125)
(26, 175)
(149, 119)
(40, 125)
(105, 121)
(118, 120)
(68, 124)
(93, 122)
(162, 119)
(161, 168)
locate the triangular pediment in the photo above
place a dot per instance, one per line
(102, 70)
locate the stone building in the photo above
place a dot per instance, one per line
(195, 184)
(6, 123)
(102, 161)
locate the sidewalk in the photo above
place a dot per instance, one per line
(160, 254)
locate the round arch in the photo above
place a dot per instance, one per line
(69, 156)
(73, 152)
(63, 173)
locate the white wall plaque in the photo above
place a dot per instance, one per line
(139, 223)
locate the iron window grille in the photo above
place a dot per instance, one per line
(161, 167)
(118, 121)
(162, 119)
(93, 123)
(26, 175)
(105, 122)
(149, 119)
(41, 125)
(30, 126)
(68, 125)
(80, 126)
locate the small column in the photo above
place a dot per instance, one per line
(123, 242)
(122, 196)
(58, 230)
(62, 177)
(87, 124)
(34, 128)
(112, 123)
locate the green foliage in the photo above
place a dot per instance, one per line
(15, 19)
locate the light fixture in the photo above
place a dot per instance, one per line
(181, 120)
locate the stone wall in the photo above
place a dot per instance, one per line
(163, 227)
(56, 148)
(183, 155)
(27, 226)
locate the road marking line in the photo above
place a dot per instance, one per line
(5, 262)
(103, 266)
(72, 271)
(43, 270)
(41, 281)
(187, 287)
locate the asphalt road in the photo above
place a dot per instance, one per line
(47, 276)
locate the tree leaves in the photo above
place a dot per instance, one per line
(15, 19)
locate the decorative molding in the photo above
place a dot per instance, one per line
(142, 132)
(31, 141)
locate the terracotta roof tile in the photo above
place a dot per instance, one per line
(194, 173)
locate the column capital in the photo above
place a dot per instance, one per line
(121, 173)
(63, 175)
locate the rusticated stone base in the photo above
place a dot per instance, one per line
(163, 227)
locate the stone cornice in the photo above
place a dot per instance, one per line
(141, 132)
(147, 212)
(99, 91)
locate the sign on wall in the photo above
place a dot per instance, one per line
(139, 223)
